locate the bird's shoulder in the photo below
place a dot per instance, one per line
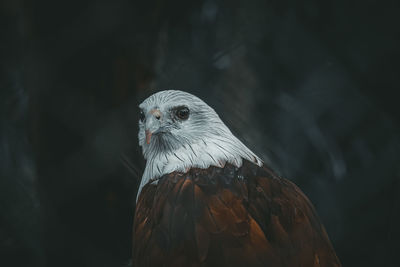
(229, 215)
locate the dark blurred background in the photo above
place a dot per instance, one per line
(308, 85)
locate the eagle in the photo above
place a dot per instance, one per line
(205, 199)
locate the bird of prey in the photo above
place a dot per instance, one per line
(205, 199)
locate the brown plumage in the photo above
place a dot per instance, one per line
(228, 217)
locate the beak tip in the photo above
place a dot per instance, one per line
(148, 136)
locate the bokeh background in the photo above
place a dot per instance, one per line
(311, 86)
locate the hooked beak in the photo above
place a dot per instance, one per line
(148, 136)
(153, 123)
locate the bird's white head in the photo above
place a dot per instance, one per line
(178, 131)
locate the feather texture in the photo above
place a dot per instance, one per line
(228, 216)
(201, 141)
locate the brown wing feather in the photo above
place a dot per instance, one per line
(228, 217)
(289, 221)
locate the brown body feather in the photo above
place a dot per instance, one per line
(228, 217)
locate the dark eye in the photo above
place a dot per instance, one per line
(182, 113)
(141, 116)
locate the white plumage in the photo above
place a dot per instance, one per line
(202, 140)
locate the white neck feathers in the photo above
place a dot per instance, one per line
(214, 150)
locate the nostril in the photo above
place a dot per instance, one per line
(156, 113)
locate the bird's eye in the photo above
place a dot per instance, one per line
(182, 113)
(141, 116)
